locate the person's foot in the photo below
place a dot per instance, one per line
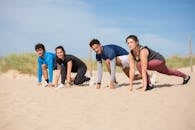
(153, 78)
(186, 79)
(130, 89)
(87, 79)
(115, 84)
(98, 86)
(50, 85)
(112, 87)
(44, 84)
(60, 86)
(149, 87)
(92, 81)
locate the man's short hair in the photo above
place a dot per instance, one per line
(93, 42)
(38, 46)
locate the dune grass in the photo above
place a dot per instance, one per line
(178, 62)
(27, 63)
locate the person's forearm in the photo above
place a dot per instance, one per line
(131, 77)
(69, 70)
(100, 72)
(131, 71)
(68, 78)
(144, 77)
(39, 73)
(57, 76)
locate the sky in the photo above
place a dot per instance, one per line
(163, 25)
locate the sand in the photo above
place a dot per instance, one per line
(25, 106)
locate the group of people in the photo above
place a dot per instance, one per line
(140, 56)
(63, 63)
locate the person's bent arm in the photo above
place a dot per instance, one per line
(57, 75)
(39, 72)
(131, 71)
(144, 65)
(69, 69)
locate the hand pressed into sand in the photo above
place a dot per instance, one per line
(98, 86)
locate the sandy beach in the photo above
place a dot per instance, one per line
(25, 106)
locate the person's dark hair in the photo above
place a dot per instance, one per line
(60, 47)
(134, 37)
(38, 46)
(93, 42)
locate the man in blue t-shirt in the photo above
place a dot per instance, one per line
(46, 60)
(114, 56)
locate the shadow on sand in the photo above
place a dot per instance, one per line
(126, 84)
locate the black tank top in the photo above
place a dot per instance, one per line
(152, 54)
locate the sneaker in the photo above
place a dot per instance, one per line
(185, 80)
(87, 79)
(92, 81)
(153, 78)
(149, 87)
(60, 86)
(44, 84)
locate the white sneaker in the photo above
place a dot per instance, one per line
(44, 84)
(92, 81)
(153, 78)
(60, 86)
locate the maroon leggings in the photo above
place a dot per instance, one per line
(160, 66)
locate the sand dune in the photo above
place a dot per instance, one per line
(25, 106)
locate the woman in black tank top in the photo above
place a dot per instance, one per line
(147, 59)
(70, 64)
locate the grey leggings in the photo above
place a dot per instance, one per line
(80, 77)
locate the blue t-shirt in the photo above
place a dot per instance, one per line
(50, 60)
(110, 52)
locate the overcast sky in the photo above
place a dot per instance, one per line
(163, 25)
